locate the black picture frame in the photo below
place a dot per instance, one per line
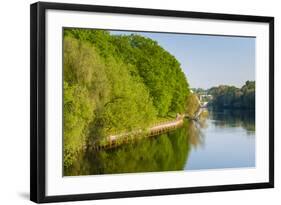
(38, 100)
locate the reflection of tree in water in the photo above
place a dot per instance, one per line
(234, 118)
(167, 152)
(196, 136)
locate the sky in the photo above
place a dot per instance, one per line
(208, 60)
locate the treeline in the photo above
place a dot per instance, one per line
(116, 83)
(225, 96)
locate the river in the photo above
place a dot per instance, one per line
(225, 139)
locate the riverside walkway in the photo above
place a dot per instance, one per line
(127, 137)
(118, 139)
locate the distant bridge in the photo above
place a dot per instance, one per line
(202, 96)
(201, 102)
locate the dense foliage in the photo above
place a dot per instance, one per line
(232, 97)
(192, 105)
(116, 83)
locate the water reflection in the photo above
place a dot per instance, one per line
(234, 118)
(167, 152)
(217, 141)
(229, 141)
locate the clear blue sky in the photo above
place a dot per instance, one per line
(209, 60)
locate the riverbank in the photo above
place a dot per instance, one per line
(118, 139)
(127, 137)
(211, 143)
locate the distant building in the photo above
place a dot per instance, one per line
(205, 97)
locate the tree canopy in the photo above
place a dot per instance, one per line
(116, 83)
(225, 96)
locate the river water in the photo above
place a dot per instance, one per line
(225, 139)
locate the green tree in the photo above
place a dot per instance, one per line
(79, 111)
(231, 97)
(116, 84)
